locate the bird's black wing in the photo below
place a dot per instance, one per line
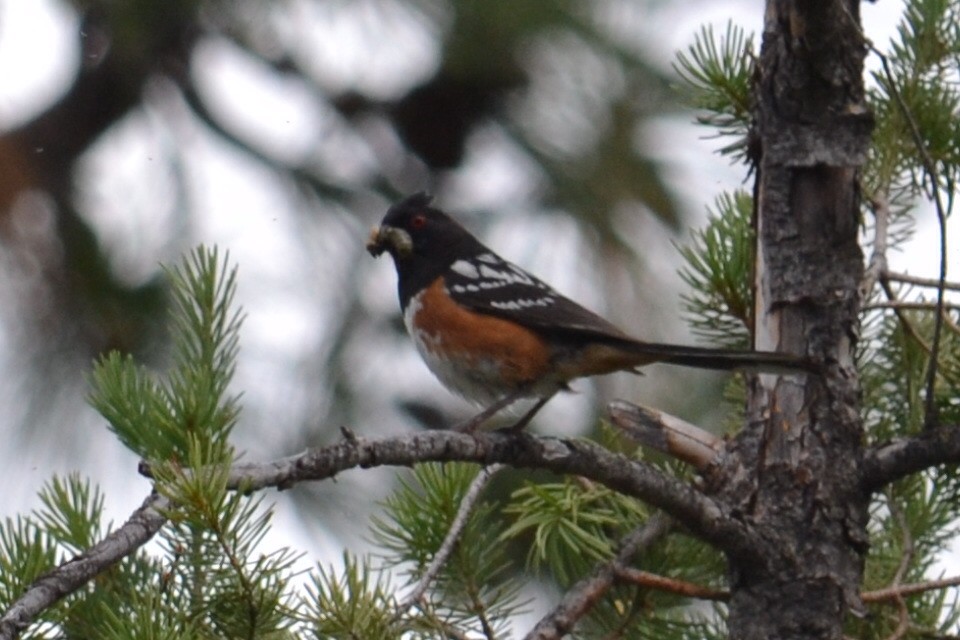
(489, 284)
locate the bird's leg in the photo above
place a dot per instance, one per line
(518, 426)
(473, 423)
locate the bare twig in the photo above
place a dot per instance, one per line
(930, 407)
(910, 305)
(700, 592)
(908, 327)
(578, 601)
(670, 585)
(664, 432)
(49, 589)
(892, 593)
(906, 278)
(449, 542)
(877, 266)
(903, 616)
(692, 590)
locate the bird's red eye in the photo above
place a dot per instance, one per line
(418, 221)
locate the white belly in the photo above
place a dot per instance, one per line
(476, 380)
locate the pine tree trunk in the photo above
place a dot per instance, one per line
(792, 472)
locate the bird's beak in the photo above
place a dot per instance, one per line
(397, 241)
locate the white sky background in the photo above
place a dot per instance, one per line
(243, 211)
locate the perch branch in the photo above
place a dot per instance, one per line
(699, 514)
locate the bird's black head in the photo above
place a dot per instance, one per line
(412, 230)
(423, 242)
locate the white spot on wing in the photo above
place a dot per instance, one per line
(515, 275)
(522, 303)
(488, 272)
(466, 269)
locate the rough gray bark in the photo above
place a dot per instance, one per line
(792, 474)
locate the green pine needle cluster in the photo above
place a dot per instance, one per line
(572, 525)
(715, 74)
(213, 576)
(355, 602)
(476, 589)
(718, 272)
(914, 95)
(222, 576)
(188, 411)
(922, 65)
(912, 524)
(31, 545)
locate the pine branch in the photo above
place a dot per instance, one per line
(702, 516)
(886, 463)
(46, 591)
(453, 535)
(580, 598)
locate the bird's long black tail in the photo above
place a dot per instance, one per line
(721, 359)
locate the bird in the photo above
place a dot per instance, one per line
(495, 334)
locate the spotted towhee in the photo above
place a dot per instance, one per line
(494, 334)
